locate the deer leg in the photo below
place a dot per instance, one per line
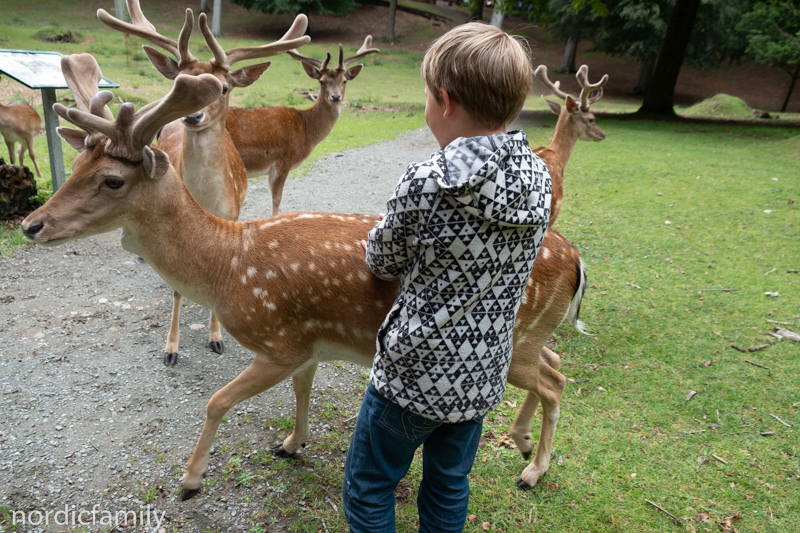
(258, 377)
(550, 389)
(301, 383)
(521, 428)
(12, 155)
(174, 335)
(215, 334)
(277, 178)
(33, 156)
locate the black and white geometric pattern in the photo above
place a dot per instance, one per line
(462, 231)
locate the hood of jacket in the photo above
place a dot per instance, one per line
(495, 178)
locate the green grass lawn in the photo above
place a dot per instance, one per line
(684, 228)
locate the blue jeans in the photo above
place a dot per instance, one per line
(380, 454)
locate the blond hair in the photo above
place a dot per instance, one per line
(483, 69)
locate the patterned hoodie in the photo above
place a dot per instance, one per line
(462, 231)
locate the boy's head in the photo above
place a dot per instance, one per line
(484, 70)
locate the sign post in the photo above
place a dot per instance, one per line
(42, 70)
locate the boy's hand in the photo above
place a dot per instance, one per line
(363, 242)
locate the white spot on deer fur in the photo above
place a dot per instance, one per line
(521, 340)
(349, 276)
(273, 245)
(308, 215)
(244, 280)
(545, 253)
(327, 245)
(311, 266)
(347, 247)
(235, 262)
(257, 292)
(336, 282)
(271, 306)
(251, 271)
(270, 274)
(363, 276)
(273, 222)
(359, 308)
(295, 266)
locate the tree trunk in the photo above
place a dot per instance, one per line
(390, 23)
(475, 10)
(204, 6)
(216, 19)
(121, 10)
(568, 63)
(791, 88)
(498, 13)
(645, 75)
(658, 99)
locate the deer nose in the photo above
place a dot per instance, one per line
(336, 97)
(32, 230)
(193, 120)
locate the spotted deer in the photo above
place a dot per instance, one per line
(199, 145)
(274, 140)
(293, 289)
(19, 122)
(575, 121)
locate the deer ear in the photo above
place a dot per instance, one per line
(247, 76)
(74, 138)
(554, 107)
(352, 72)
(156, 162)
(311, 70)
(164, 64)
(572, 105)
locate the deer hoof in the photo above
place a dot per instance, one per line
(188, 494)
(280, 451)
(523, 485)
(217, 346)
(171, 358)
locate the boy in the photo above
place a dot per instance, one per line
(462, 232)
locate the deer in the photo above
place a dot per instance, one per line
(199, 146)
(19, 122)
(575, 121)
(275, 140)
(293, 289)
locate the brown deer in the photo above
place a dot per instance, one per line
(274, 140)
(294, 289)
(575, 121)
(19, 122)
(198, 145)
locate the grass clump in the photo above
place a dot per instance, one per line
(721, 106)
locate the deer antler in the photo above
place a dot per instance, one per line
(541, 75)
(141, 27)
(83, 77)
(365, 49)
(292, 39)
(131, 132)
(321, 65)
(588, 89)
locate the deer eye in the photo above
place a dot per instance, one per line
(114, 183)
(224, 90)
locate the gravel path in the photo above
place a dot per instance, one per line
(87, 410)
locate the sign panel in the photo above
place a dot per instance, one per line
(39, 70)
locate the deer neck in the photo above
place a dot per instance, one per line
(321, 118)
(564, 138)
(204, 163)
(189, 248)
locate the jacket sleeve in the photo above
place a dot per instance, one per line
(392, 243)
